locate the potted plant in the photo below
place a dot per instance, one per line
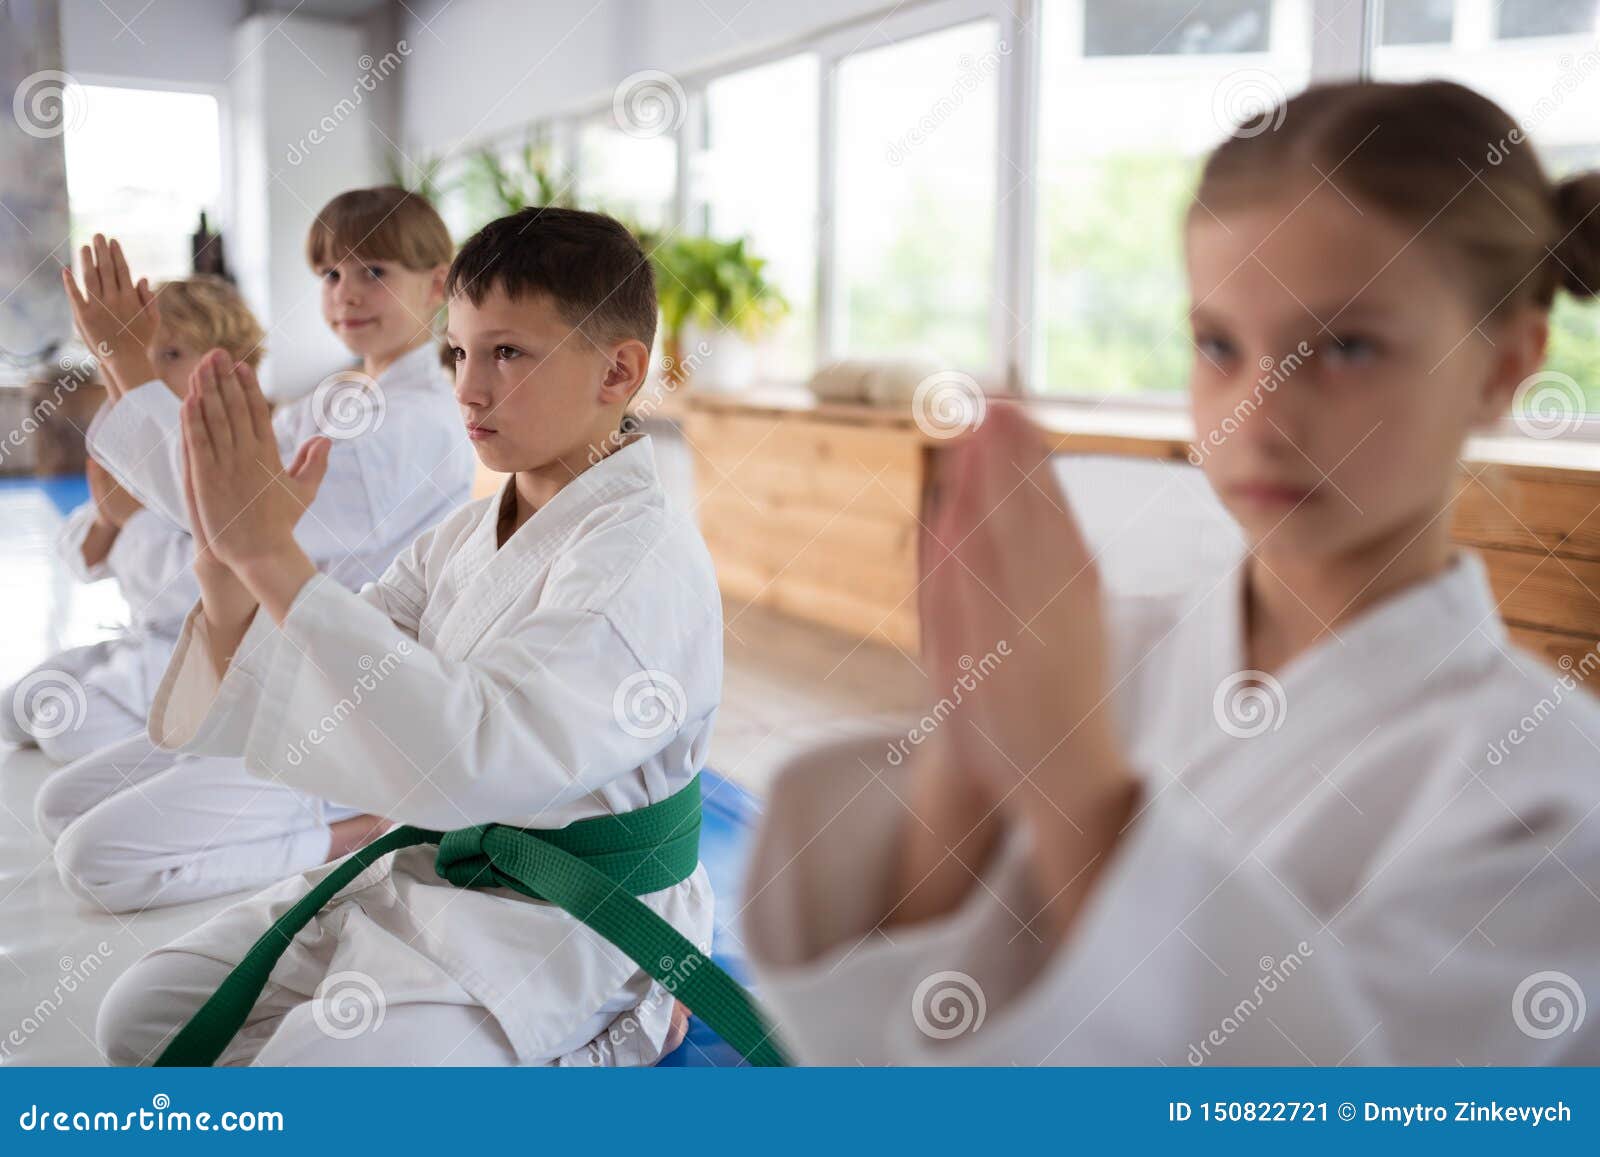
(715, 286)
(499, 184)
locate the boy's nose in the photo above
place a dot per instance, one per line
(468, 391)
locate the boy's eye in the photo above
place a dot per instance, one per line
(506, 353)
(457, 354)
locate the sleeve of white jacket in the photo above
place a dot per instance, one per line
(1459, 943)
(196, 711)
(351, 707)
(139, 440)
(1138, 982)
(153, 562)
(341, 700)
(69, 545)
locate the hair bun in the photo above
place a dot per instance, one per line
(1577, 250)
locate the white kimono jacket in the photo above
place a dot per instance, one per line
(1392, 858)
(151, 560)
(406, 465)
(573, 672)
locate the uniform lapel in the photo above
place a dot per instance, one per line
(486, 581)
(1381, 666)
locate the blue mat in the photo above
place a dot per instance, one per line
(64, 491)
(726, 828)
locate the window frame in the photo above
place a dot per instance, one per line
(1344, 39)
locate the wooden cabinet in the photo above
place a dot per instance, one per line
(812, 510)
(815, 518)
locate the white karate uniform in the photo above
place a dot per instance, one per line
(575, 671)
(151, 560)
(138, 827)
(1395, 862)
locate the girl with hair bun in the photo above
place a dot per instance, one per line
(1319, 812)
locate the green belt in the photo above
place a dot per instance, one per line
(592, 869)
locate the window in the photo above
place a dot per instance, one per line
(1550, 85)
(1417, 21)
(915, 198)
(757, 177)
(141, 166)
(631, 175)
(1154, 27)
(1120, 141)
(1520, 18)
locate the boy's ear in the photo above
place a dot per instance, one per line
(630, 362)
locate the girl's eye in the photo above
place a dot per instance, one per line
(330, 275)
(1215, 350)
(375, 272)
(1350, 350)
(506, 353)
(457, 354)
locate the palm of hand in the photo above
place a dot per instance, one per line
(245, 503)
(1013, 621)
(113, 311)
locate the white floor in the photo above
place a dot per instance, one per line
(786, 684)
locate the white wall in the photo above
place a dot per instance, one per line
(482, 67)
(177, 42)
(672, 35)
(290, 79)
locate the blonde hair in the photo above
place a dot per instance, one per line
(205, 312)
(1439, 158)
(382, 224)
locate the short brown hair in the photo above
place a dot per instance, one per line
(382, 224)
(1439, 158)
(588, 264)
(205, 312)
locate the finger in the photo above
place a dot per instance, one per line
(301, 457)
(311, 461)
(966, 504)
(234, 405)
(73, 295)
(256, 402)
(119, 267)
(191, 456)
(148, 309)
(199, 453)
(91, 273)
(105, 271)
(188, 495)
(212, 410)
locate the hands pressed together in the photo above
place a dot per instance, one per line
(243, 502)
(1013, 632)
(115, 316)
